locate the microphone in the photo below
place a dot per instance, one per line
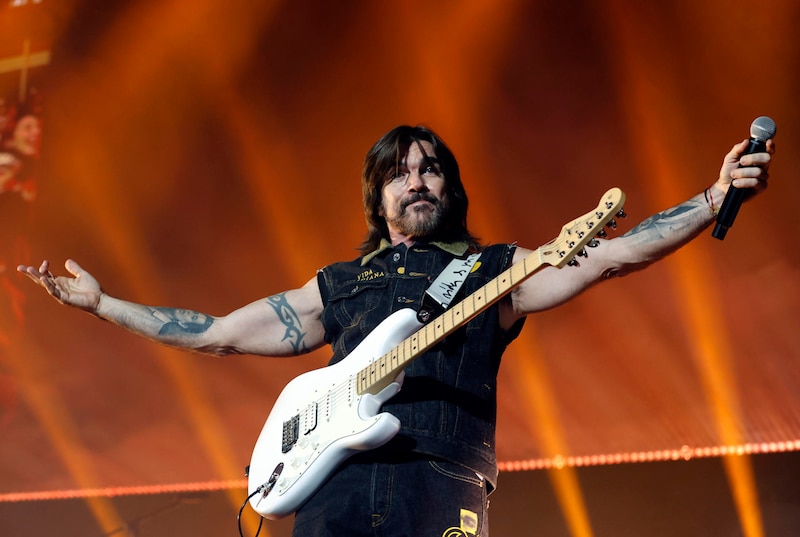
(761, 130)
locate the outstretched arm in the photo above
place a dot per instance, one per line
(649, 241)
(285, 324)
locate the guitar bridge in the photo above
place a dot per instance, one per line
(292, 427)
(291, 432)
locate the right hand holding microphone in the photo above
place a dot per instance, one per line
(744, 172)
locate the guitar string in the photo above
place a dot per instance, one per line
(349, 390)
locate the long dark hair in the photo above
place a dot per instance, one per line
(384, 157)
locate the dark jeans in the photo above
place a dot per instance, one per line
(410, 498)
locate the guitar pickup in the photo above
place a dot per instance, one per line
(310, 418)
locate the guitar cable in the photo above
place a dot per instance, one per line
(241, 510)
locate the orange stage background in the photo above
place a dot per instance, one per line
(206, 154)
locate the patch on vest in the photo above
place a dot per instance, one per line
(369, 275)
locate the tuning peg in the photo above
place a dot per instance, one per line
(621, 214)
(612, 224)
(583, 253)
(594, 243)
(602, 234)
(573, 263)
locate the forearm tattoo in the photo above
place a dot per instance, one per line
(684, 219)
(294, 333)
(179, 321)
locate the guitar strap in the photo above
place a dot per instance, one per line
(445, 287)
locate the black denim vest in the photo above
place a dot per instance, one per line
(447, 406)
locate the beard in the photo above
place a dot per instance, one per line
(420, 222)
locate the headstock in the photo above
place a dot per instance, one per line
(581, 232)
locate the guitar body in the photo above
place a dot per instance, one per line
(325, 416)
(319, 420)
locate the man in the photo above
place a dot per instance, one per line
(434, 476)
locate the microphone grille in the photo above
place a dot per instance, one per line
(763, 128)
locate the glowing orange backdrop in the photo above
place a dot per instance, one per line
(206, 154)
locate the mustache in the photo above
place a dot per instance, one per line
(420, 196)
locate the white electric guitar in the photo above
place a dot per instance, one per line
(327, 415)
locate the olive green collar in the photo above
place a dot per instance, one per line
(457, 248)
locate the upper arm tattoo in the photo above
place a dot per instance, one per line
(285, 312)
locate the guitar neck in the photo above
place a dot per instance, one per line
(383, 371)
(574, 236)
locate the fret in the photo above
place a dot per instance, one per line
(372, 373)
(414, 344)
(430, 335)
(447, 322)
(458, 315)
(496, 288)
(469, 305)
(406, 346)
(438, 327)
(362, 381)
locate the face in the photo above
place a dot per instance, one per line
(27, 135)
(413, 199)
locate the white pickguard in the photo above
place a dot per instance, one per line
(332, 422)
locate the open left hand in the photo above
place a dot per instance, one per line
(80, 291)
